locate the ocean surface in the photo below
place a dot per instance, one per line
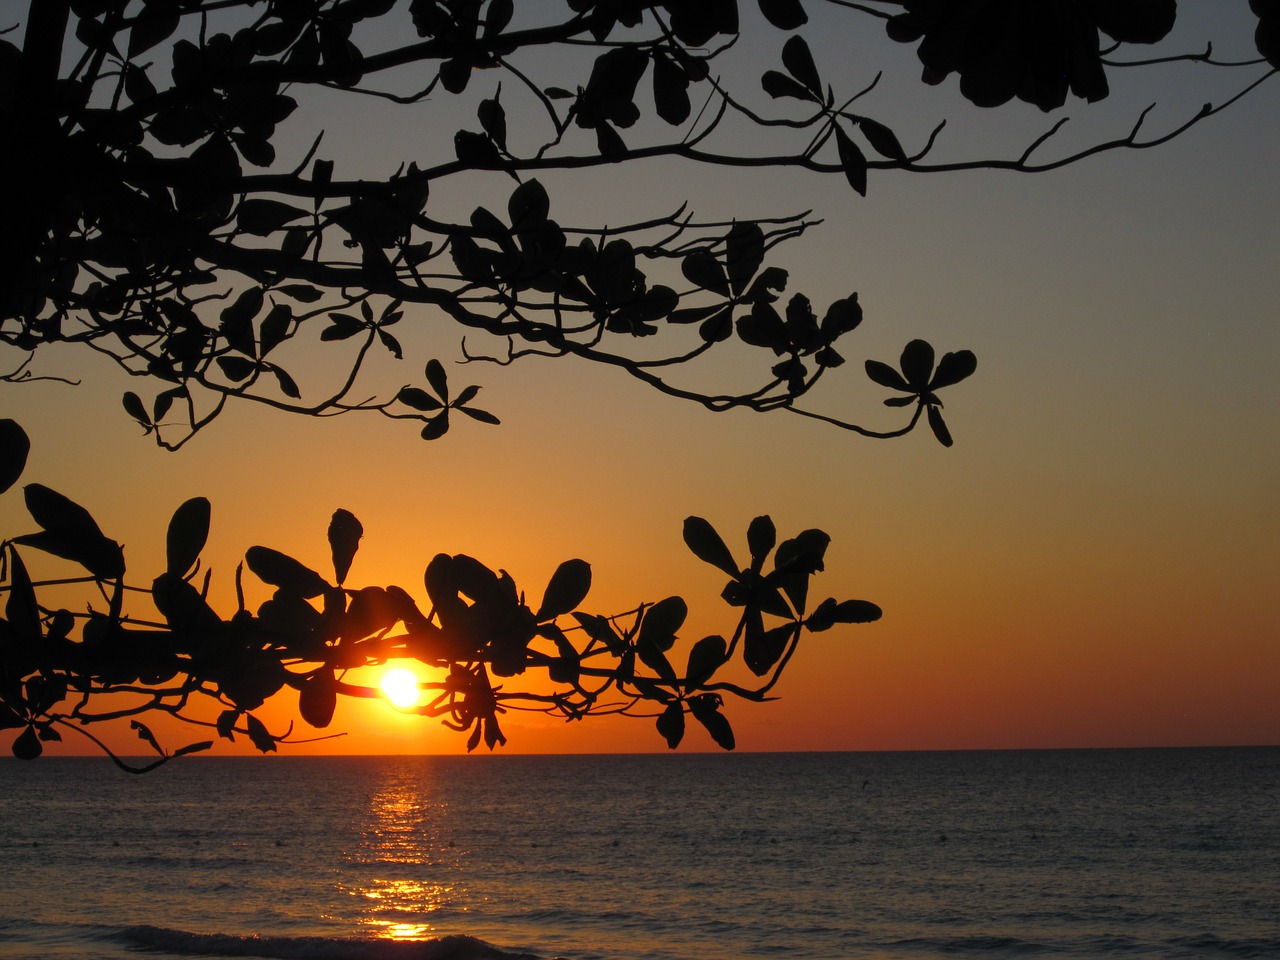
(907, 856)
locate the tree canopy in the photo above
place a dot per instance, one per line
(165, 212)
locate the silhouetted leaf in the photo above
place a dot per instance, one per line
(917, 364)
(939, 426)
(799, 62)
(345, 532)
(26, 745)
(671, 723)
(275, 327)
(438, 380)
(718, 327)
(301, 291)
(188, 531)
(261, 217)
(484, 416)
(154, 24)
(784, 14)
(670, 90)
(284, 572)
(841, 317)
(706, 708)
(14, 448)
(744, 254)
(829, 612)
(777, 84)
(568, 588)
(146, 735)
(288, 386)
(656, 660)
(609, 143)
(259, 735)
(707, 546)
(662, 620)
(134, 407)
(418, 398)
(762, 536)
(493, 119)
(436, 427)
(952, 368)
(528, 206)
(761, 649)
(190, 748)
(762, 327)
(318, 698)
(705, 658)
(21, 608)
(71, 533)
(886, 376)
(226, 724)
(852, 161)
(883, 140)
(236, 369)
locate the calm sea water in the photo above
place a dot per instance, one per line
(1091, 854)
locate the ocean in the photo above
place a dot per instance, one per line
(820, 856)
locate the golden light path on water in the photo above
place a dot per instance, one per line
(403, 850)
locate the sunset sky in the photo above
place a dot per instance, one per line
(1093, 563)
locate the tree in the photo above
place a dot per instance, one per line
(163, 215)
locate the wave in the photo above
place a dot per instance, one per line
(456, 947)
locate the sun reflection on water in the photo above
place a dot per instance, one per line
(406, 868)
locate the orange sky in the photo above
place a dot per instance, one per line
(1093, 563)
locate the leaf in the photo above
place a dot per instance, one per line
(21, 609)
(762, 649)
(671, 723)
(939, 426)
(718, 327)
(26, 745)
(484, 416)
(829, 612)
(784, 14)
(609, 143)
(707, 546)
(275, 327)
(146, 735)
(493, 120)
(288, 386)
(799, 63)
(345, 532)
(418, 398)
(670, 90)
(259, 735)
(14, 448)
(438, 380)
(883, 140)
(226, 724)
(318, 698)
(71, 533)
(154, 25)
(952, 368)
(134, 407)
(706, 709)
(188, 531)
(852, 161)
(744, 254)
(705, 272)
(707, 655)
(568, 587)
(284, 572)
(662, 620)
(199, 747)
(886, 376)
(528, 206)
(301, 291)
(917, 364)
(777, 85)
(240, 314)
(762, 536)
(236, 369)
(436, 427)
(262, 217)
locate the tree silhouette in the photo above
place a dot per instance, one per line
(161, 213)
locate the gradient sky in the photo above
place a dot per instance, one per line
(1092, 564)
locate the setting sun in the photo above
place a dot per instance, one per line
(400, 687)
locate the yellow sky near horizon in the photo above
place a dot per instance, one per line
(1092, 564)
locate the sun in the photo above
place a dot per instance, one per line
(400, 686)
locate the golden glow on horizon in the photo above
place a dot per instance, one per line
(400, 687)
